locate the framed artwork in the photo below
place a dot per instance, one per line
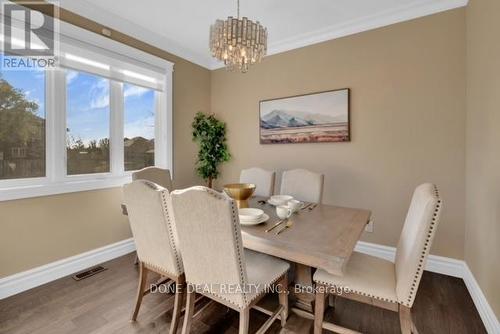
(310, 118)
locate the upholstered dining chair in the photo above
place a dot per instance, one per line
(151, 221)
(303, 185)
(263, 179)
(156, 175)
(381, 283)
(215, 263)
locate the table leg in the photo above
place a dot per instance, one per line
(304, 288)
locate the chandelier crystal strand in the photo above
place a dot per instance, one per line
(237, 42)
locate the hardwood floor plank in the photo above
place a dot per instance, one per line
(102, 304)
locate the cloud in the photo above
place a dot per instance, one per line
(135, 91)
(29, 96)
(141, 128)
(71, 76)
(99, 94)
(99, 102)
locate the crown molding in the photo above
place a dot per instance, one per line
(370, 22)
(113, 21)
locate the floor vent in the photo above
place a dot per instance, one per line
(87, 273)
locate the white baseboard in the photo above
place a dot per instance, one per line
(29, 279)
(446, 266)
(436, 264)
(485, 311)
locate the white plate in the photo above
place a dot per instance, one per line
(250, 214)
(275, 204)
(279, 199)
(262, 219)
(270, 201)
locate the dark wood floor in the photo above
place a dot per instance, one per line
(102, 304)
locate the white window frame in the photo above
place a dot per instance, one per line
(56, 180)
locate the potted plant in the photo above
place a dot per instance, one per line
(210, 135)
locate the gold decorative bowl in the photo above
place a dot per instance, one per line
(240, 192)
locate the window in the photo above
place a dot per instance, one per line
(139, 130)
(87, 119)
(87, 124)
(22, 124)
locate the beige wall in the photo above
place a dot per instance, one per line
(37, 231)
(407, 118)
(408, 114)
(191, 94)
(482, 242)
(45, 229)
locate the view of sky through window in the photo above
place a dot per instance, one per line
(88, 123)
(139, 129)
(22, 132)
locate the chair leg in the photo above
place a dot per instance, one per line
(405, 321)
(283, 297)
(244, 321)
(188, 316)
(331, 300)
(143, 275)
(413, 327)
(319, 308)
(176, 313)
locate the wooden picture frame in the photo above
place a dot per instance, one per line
(318, 117)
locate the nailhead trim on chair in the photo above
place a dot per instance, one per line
(237, 237)
(164, 192)
(164, 196)
(423, 256)
(264, 291)
(239, 245)
(238, 241)
(158, 268)
(425, 251)
(359, 292)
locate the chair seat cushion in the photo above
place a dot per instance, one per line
(365, 275)
(262, 271)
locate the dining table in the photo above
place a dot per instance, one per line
(321, 236)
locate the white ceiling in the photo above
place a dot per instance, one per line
(181, 26)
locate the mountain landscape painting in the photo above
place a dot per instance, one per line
(311, 118)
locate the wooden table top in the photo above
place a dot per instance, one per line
(324, 237)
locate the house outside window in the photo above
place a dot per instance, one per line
(88, 124)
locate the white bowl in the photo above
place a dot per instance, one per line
(280, 199)
(262, 219)
(250, 214)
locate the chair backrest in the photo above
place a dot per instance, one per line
(151, 220)
(210, 239)
(415, 241)
(263, 179)
(156, 175)
(303, 185)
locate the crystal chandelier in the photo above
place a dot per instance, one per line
(238, 42)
